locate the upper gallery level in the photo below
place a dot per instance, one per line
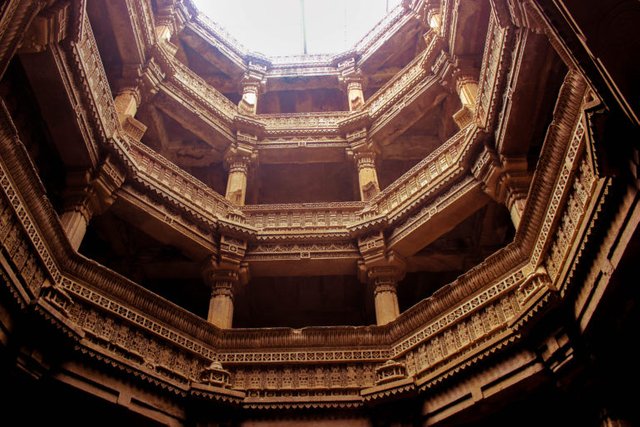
(199, 94)
(176, 172)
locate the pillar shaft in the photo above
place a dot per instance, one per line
(385, 277)
(355, 95)
(386, 301)
(221, 306)
(75, 221)
(237, 181)
(435, 19)
(127, 102)
(249, 102)
(222, 284)
(513, 186)
(367, 175)
(467, 89)
(516, 208)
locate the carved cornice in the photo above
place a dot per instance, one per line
(15, 18)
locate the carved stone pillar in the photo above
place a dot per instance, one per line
(77, 206)
(87, 194)
(367, 175)
(385, 282)
(222, 283)
(163, 33)
(355, 94)
(467, 88)
(434, 18)
(237, 180)
(223, 273)
(75, 220)
(382, 269)
(506, 180)
(515, 202)
(351, 78)
(249, 101)
(127, 102)
(513, 186)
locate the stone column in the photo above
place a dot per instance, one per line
(382, 269)
(434, 19)
(386, 302)
(237, 180)
(249, 101)
(88, 193)
(385, 282)
(355, 94)
(222, 283)
(78, 208)
(367, 175)
(513, 186)
(352, 80)
(223, 272)
(75, 220)
(127, 102)
(163, 32)
(467, 88)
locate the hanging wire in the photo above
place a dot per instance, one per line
(304, 28)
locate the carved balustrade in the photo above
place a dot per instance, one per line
(306, 217)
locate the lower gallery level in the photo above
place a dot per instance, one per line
(438, 226)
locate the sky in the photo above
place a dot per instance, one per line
(274, 27)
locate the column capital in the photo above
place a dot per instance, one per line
(361, 147)
(349, 67)
(239, 157)
(377, 260)
(126, 102)
(224, 283)
(506, 180)
(352, 79)
(224, 275)
(92, 191)
(78, 193)
(385, 278)
(251, 85)
(365, 159)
